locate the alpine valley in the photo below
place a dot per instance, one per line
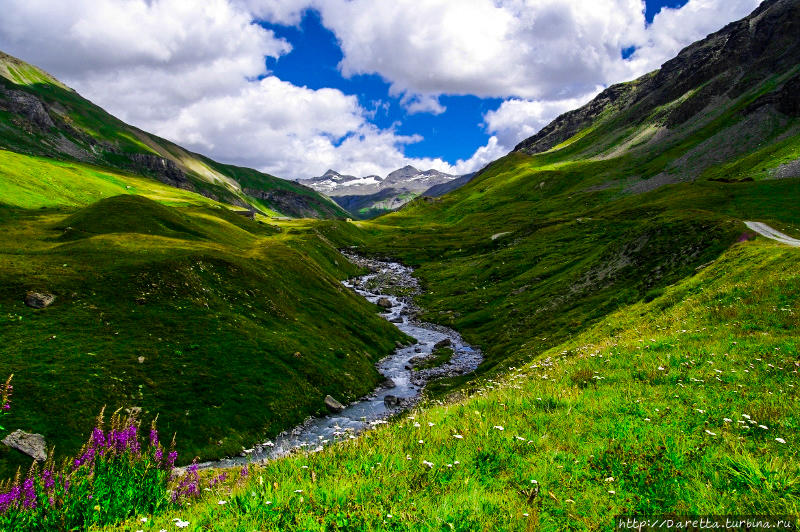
(627, 279)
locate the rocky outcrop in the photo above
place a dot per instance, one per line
(39, 299)
(33, 445)
(294, 204)
(28, 106)
(332, 404)
(164, 169)
(726, 63)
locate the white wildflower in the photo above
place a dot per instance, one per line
(727, 420)
(610, 479)
(780, 440)
(499, 427)
(458, 436)
(426, 463)
(710, 433)
(763, 427)
(221, 502)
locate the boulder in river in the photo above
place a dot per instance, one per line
(39, 299)
(384, 302)
(392, 401)
(31, 444)
(398, 319)
(333, 405)
(443, 343)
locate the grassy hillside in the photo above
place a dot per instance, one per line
(229, 330)
(687, 403)
(41, 116)
(538, 247)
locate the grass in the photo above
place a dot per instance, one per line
(230, 330)
(439, 357)
(648, 435)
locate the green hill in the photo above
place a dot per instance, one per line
(40, 116)
(228, 329)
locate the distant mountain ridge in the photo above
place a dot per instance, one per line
(372, 195)
(406, 179)
(41, 116)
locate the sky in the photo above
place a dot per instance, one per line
(294, 87)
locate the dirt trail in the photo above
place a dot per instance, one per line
(767, 231)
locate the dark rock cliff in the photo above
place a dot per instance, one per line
(728, 62)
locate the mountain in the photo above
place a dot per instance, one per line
(372, 195)
(40, 116)
(619, 198)
(444, 188)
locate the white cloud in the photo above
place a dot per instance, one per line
(516, 119)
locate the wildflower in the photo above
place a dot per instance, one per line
(298, 491)
(417, 424)
(499, 427)
(745, 416)
(421, 441)
(388, 516)
(181, 524)
(610, 479)
(143, 519)
(612, 492)
(430, 424)
(780, 440)
(426, 463)
(526, 515)
(458, 436)
(763, 427)
(710, 433)
(727, 420)
(221, 502)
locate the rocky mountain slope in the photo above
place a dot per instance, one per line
(755, 56)
(41, 116)
(372, 195)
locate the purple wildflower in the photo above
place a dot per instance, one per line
(244, 472)
(171, 457)
(30, 493)
(154, 437)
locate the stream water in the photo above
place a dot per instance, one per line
(403, 385)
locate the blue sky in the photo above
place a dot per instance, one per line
(452, 135)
